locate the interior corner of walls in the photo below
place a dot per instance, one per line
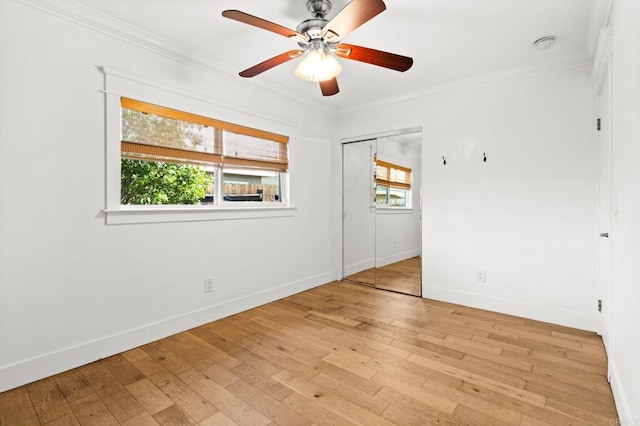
(579, 320)
(625, 416)
(41, 366)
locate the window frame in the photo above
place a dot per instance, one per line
(116, 213)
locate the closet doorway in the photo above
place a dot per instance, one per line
(381, 215)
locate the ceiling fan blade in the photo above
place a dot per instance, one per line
(329, 87)
(374, 57)
(270, 63)
(351, 17)
(245, 18)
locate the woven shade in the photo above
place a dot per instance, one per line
(154, 133)
(392, 175)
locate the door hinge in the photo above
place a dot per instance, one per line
(599, 124)
(599, 305)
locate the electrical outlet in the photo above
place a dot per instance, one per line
(482, 277)
(208, 285)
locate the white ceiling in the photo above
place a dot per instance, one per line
(449, 40)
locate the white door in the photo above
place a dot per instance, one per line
(605, 208)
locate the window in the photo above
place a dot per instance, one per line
(174, 157)
(393, 184)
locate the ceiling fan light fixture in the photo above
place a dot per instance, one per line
(318, 66)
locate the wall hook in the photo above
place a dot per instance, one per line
(444, 161)
(484, 157)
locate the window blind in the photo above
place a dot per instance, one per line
(392, 175)
(158, 133)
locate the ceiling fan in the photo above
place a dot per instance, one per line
(319, 39)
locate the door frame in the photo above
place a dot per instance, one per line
(604, 287)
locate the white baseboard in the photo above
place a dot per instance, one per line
(41, 366)
(567, 318)
(359, 267)
(397, 257)
(620, 398)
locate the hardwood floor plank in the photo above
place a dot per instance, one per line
(123, 405)
(261, 382)
(471, 345)
(220, 375)
(494, 385)
(595, 382)
(268, 406)
(397, 372)
(47, 400)
(281, 359)
(351, 364)
(501, 344)
(593, 415)
(92, 411)
(413, 407)
(148, 366)
(349, 393)
(66, 420)
(483, 399)
(314, 411)
(426, 397)
(503, 413)
(135, 354)
(73, 385)
(122, 369)
(189, 401)
(320, 395)
(259, 363)
(16, 408)
(218, 419)
(573, 399)
(232, 406)
(165, 357)
(149, 396)
(144, 419)
(465, 416)
(172, 416)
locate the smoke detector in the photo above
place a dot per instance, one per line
(545, 43)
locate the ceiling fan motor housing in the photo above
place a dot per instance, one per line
(312, 28)
(318, 8)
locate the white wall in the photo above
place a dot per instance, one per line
(528, 215)
(625, 233)
(73, 289)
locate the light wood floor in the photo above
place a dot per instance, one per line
(403, 276)
(338, 354)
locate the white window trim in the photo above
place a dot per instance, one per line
(409, 202)
(394, 210)
(162, 214)
(116, 213)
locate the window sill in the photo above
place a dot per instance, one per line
(394, 210)
(162, 214)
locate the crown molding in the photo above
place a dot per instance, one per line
(572, 60)
(92, 19)
(598, 19)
